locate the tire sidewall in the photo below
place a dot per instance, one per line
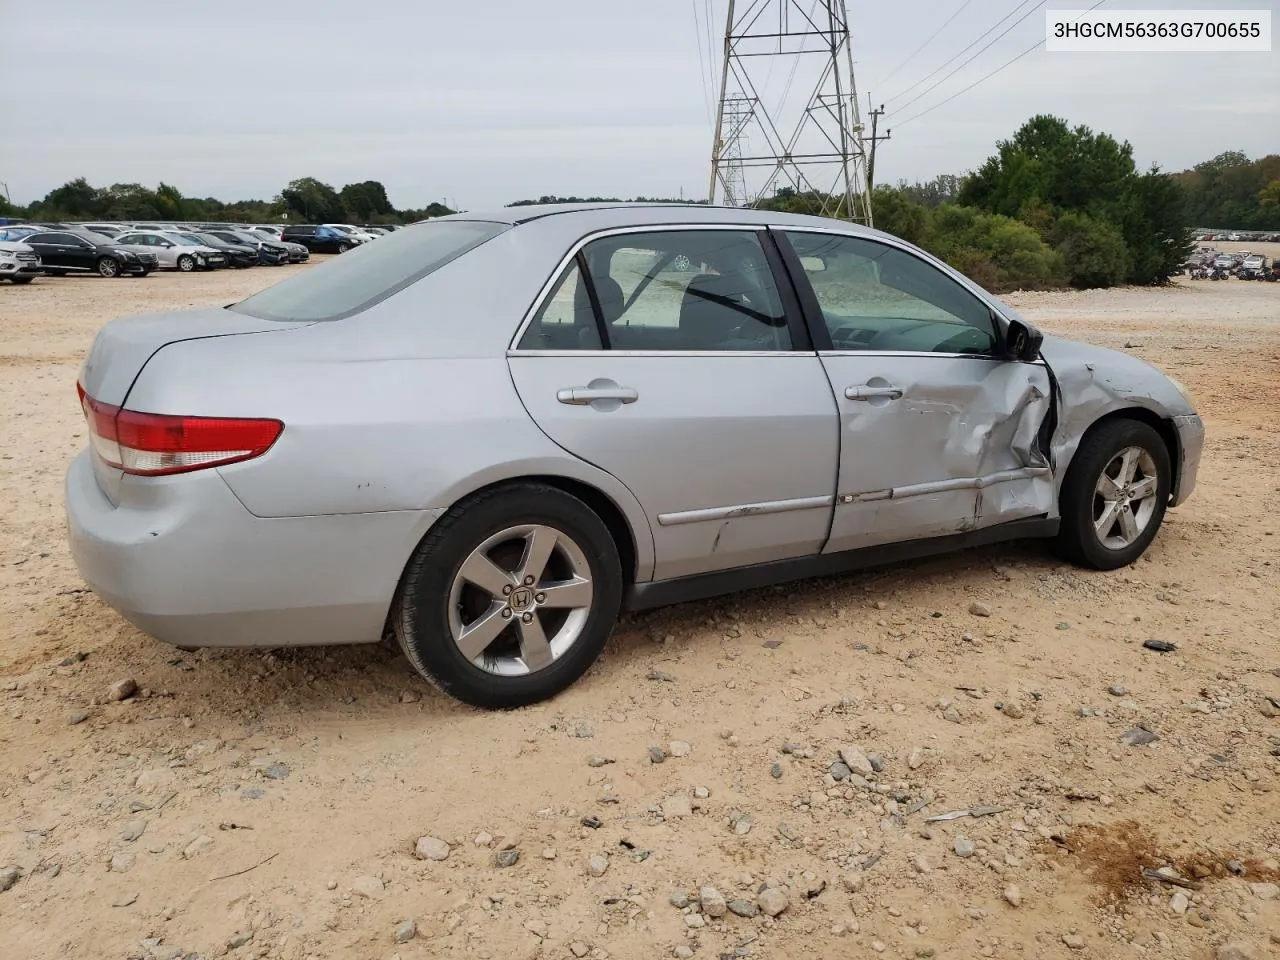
(1097, 450)
(104, 271)
(422, 621)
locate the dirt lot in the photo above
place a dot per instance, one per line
(266, 804)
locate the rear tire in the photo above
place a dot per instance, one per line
(510, 597)
(1114, 495)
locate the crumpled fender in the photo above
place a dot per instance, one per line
(1094, 382)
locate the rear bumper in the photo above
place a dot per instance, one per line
(184, 561)
(1190, 446)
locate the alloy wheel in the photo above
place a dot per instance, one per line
(520, 600)
(1124, 498)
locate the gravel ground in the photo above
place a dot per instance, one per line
(271, 804)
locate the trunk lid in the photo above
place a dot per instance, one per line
(122, 348)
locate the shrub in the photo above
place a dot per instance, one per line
(998, 252)
(1093, 253)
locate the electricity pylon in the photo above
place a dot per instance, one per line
(816, 148)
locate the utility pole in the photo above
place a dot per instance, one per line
(874, 139)
(818, 148)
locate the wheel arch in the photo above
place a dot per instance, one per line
(1162, 425)
(604, 506)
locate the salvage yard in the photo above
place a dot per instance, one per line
(1013, 759)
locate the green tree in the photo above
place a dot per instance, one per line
(129, 201)
(311, 201)
(895, 211)
(1156, 228)
(1047, 169)
(364, 201)
(1229, 158)
(1228, 192)
(75, 199)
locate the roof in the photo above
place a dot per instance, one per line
(603, 216)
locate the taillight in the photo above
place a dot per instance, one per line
(155, 444)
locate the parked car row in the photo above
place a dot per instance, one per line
(1234, 237)
(1207, 263)
(136, 249)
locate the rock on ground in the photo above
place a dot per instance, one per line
(431, 848)
(713, 902)
(772, 901)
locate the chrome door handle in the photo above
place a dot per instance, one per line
(581, 396)
(867, 392)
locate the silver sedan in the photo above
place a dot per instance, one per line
(489, 434)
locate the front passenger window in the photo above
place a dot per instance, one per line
(877, 297)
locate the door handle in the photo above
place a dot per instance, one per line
(867, 392)
(581, 396)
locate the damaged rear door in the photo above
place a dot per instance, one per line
(938, 432)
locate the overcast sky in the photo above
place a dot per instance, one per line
(485, 103)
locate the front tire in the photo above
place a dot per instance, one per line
(186, 263)
(510, 597)
(1114, 495)
(343, 248)
(21, 280)
(107, 267)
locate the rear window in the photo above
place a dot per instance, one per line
(370, 273)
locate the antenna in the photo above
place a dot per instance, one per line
(818, 147)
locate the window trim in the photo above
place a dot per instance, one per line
(801, 342)
(817, 323)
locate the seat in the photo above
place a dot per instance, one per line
(708, 318)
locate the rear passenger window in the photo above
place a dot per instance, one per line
(687, 290)
(565, 321)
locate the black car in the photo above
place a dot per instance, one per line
(318, 239)
(237, 252)
(64, 252)
(272, 254)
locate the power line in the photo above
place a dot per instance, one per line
(933, 37)
(711, 55)
(985, 78)
(702, 61)
(990, 43)
(989, 31)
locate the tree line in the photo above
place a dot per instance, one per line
(1064, 206)
(1055, 205)
(306, 200)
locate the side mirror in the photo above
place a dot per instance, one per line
(1022, 342)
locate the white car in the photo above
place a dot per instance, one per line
(19, 263)
(355, 233)
(172, 251)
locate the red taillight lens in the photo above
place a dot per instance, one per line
(155, 444)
